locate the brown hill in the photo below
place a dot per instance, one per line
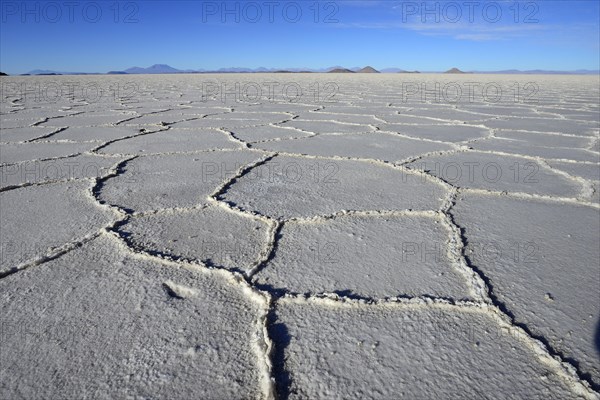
(454, 71)
(341, 71)
(368, 70)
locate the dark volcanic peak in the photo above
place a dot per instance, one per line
(368, 70)
(3, 74)
(454, 71)
(341, 71)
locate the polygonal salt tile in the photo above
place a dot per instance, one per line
(8, 123)
(544, 125)
(35, 113)
(33, 172)
(161, 118)
(367, 256)
(586, 171)
(346, 118)
(168, 181)
(444, 133)
(37, 219)
(18, 152)
(545, 139)
(214, 235)
(584, 115)
(404, 119)
(499, 173)
(328, 127)
(274, 107)
(266, 132)
(541, 259)
(96, 133)
(101, 320)
(379, 146)
(201, 109)
(499, 110)
(203, 123)
(23, 134)
(171, 141)
(519, 147)
(340, 108)
(287, 187)
(263, 117)
(334, 350)
(87, 119)
(450, 114)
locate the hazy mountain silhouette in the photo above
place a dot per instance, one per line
(167, 69)
(341, 71)
(154, 69)
(454, 71)
(368, 70)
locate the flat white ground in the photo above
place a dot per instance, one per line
(372, 236)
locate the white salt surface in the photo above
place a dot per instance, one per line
(367, 245)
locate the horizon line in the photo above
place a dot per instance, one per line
(167, 69)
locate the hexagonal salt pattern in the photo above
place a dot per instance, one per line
(290, 187)
(390, 350)
(169, 181)
(542, 264)
(168, 244)
(39, 220)
(100, 321)
(213, 235)
(372, 256)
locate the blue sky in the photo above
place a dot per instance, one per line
(108, 35)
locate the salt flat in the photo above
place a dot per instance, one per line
(366, 241)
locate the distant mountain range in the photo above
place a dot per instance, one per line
(454, 71)
(167, 69)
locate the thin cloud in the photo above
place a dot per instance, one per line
(458, 31)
